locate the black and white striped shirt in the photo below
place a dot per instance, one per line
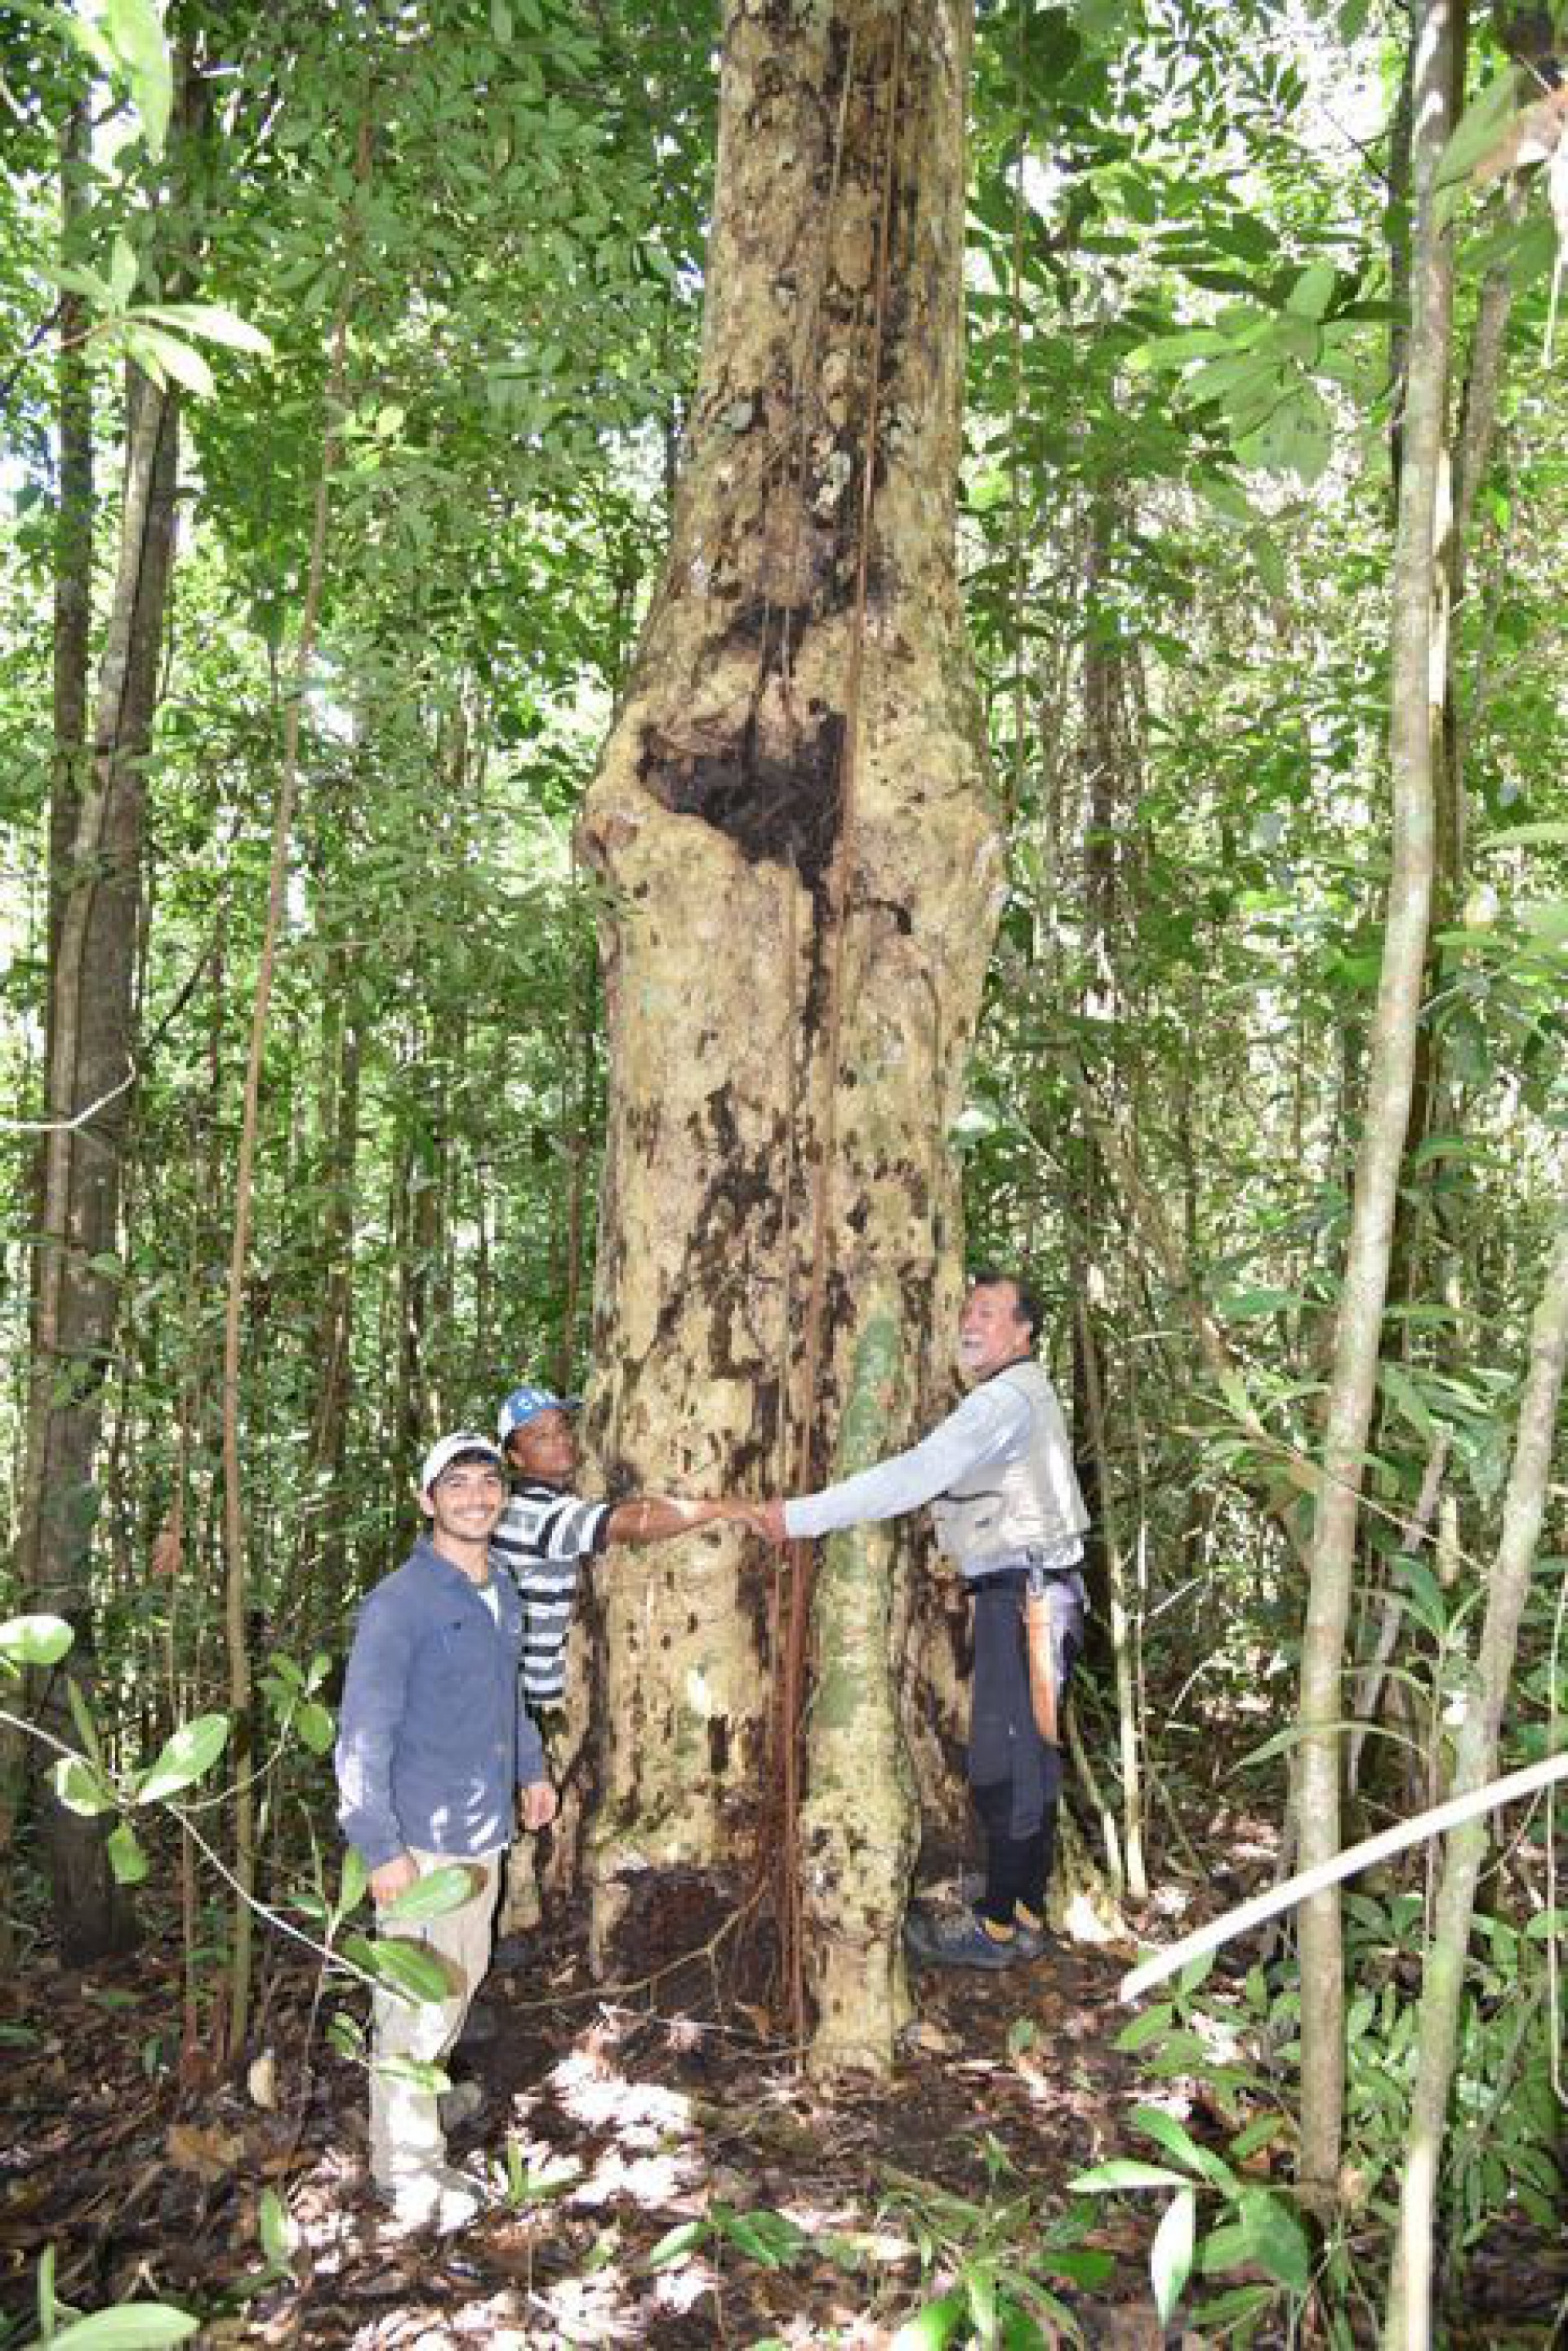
(543, 1537)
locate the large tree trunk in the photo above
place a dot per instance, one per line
(1419, 666)
(802, 857)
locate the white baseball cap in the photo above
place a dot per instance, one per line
(448, 1450)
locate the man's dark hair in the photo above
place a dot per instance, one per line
(1031, 1308)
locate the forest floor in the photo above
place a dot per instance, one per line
(805, 2220)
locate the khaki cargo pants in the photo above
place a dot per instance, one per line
(407, 2140)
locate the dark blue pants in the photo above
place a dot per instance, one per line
(1014, 1775)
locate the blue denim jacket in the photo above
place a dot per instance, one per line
(434, 1740)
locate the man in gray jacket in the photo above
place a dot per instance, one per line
(999, 1473)
(437, 1759)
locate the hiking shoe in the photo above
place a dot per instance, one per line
(1032, 1941)
(957, 1939)
(459, 2105)
(440, 2198)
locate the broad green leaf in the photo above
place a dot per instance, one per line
(166, 357)
(134, 32)
(1296, 437)
(193, 1751)
(125, 1857)
(934, 2327)
(315, 1725)
(134, 2327)
(1171, 2255)
(35, 1640)
(1311, 295)
(413, 1968)
(1276, 2239)
(1125, 2171)
(435, 1895)
(121, 276)
(211, 323)
(80, 1788)
(1022, 2035)
(1175, 350)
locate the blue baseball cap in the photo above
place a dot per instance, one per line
(525, 1404)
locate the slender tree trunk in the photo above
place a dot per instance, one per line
(92, 1017)
(237, 1576)
(1419, 626)
(1408, 2324)
(804, 868)
(73, 625)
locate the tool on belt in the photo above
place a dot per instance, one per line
(1039, 1643)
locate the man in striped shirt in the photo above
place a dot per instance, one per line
(546, 1530)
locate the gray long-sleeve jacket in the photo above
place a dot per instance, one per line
(433, 1741)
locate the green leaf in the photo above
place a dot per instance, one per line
(413, 1968)
(1156, 2124)
(435, 1895)
(80, 1788)
(419, 2073)
(677, 2243)
(134, 2327)
(1149, 2026)
(165, 359)
(1284, 1740)
(125, 1857)
(355, 1878)
(1022, 2035)
(35, 1640)
(1479, 128)
(133, 30)
(1296, 437)
(210, 322)
(1275, 2239)
(932, 2328)
(1171, 2255)
(193, 1751)
(1549, 833)
(1312, 292)
(1175, 350)
(315, 1725)
(1124, 2171)
(276, 2229)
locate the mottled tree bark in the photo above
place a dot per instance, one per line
(801, 853)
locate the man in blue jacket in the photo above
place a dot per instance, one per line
(436, 1759)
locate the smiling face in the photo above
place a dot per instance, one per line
(544, 1448)
(464, 1504)
(992, 1330)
